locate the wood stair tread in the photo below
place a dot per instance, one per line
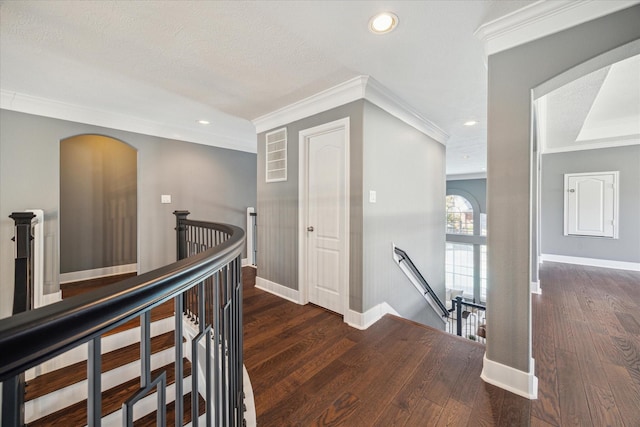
(112, 399)
(76, 288)
(149, 420)
(68, 375)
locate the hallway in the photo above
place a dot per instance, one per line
(309, 368)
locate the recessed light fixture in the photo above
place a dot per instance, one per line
(466, 156)
(470, 123)
(204, 122)
(383, 23)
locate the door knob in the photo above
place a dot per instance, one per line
(310, 228)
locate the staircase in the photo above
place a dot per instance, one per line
(117, 355)
(56, 392)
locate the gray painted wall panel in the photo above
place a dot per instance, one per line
(554, 166)
(407, 170)
(476, 187)
(213, 183)
(278, 206)
(98, 203)
(512, 75)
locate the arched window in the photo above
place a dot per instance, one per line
(459, 215)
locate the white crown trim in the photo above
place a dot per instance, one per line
(360, 87)
(463, 176)
(596, 145)
(23, 103)
(541, 19)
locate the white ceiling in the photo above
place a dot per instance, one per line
(164, 62)
(601, 108)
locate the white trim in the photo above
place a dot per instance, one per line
(522, 383)
(278, 290)
(364, 320)
(540, 19)
(392, 104)
(463, 176)
(245, 262)
(595, 145)
(305, 134)
(535, 288)
(593, 262)
(233, 139)
(360, 87)
(76, 276)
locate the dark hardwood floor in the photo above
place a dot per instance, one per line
(307, 367)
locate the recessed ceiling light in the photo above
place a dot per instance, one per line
(204, 122)
(466, 156)
(470, 123)
(383, 23)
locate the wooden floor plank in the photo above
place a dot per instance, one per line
(585, 349)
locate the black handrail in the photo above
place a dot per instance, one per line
(32, 337)
(423, 282)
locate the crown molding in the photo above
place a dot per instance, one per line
(542, 18)
(463, 176)
(360, 87)
(23, 103)
(388, 101)
(341, 94)
(596, 144)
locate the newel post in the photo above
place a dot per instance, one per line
(13, 388)
(458, 304)
(23, 292)
(181, 234)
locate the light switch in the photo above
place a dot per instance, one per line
(165, 198)
(372, 196)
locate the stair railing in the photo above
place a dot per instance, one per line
(418, 280)
(32, 337)
(469, 320)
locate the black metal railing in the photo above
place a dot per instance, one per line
(212, 274)
(427, 290)
(468, 320)
(23, 294)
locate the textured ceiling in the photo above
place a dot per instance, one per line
(600, 107)
(233, 61)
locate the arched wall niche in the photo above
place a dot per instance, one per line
(98, 207)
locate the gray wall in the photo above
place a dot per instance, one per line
(476, 187)
(98, 203)
(554, 166)
(213, 183)
(406, 168)
(278, 206)
(512, 75)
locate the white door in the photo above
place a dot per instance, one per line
(324, 217)
(590, 204)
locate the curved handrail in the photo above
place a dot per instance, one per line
(32, 337)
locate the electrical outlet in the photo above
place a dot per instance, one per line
(165, 198)
(372, 196)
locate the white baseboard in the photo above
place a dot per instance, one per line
(278, 290)
(76, 276)
(369, 317)
(593, 262)
(535, 288)
(522, 383)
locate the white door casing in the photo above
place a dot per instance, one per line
(591, 204)
(324, 215)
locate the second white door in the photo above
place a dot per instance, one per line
(326, 214)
